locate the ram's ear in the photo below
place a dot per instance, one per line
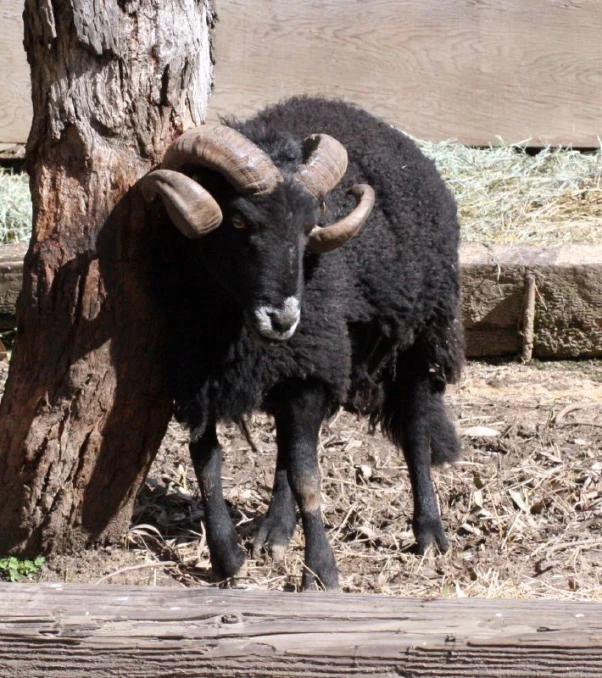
(192, 209)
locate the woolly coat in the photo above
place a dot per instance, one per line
(394, 286)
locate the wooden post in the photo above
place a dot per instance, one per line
(67, 631)
(528, 325)
(85, 405)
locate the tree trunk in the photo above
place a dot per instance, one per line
(85, 405)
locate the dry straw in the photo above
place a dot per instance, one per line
(15, 207)
(522, 510)
(504, 194)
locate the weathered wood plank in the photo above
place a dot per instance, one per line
(568, 279)
(9, 152)
(74, 630)
(15, 97)
(568, 299)
(521, 69)
(11, 278)
(437, 68)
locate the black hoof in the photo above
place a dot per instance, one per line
(320, 570)
(274, 533)
(428, 532)
(227, 564)
(325, 581)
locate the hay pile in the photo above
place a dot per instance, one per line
(504, 194)
(15, 207)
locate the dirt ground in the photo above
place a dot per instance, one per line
(523, 508)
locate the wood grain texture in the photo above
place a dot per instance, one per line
(11, 277)
(439, 69)
(71, 630)
(15, 97)
(568, 281)
(568, 299)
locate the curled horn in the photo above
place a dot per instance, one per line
(325, 239)
(191, 208)
(245, 166)
(325, 166)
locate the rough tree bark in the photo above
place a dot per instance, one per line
(85, 405)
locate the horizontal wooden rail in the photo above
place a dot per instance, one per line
(566, 318)
(11, 276)
(567, 314)
(440, 69)
(65, 631)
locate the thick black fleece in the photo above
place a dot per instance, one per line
(392, 287)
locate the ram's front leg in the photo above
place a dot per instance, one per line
(298, 421)
(277, 527)
(227, 557)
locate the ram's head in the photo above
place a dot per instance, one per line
(263, 222)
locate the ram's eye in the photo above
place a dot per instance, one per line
(239, 223)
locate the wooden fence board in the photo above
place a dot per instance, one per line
(73, 630)
(437, 68)
(568, 299)
(15, 99)
(11, 276)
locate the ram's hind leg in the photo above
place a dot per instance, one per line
(277, 527)
(445, 446)
(226, 555)
(299, 415)
(409, 409)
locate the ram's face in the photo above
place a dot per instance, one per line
(256, 222)
(257, 254)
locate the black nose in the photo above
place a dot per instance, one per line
(281, 322)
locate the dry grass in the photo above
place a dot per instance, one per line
(15, 207)
(522, 509)
(504, 194)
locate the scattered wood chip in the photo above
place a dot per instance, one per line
(573, 407)
(363, 473)
(519, 500)
(480, 432)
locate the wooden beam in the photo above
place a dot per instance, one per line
(568, 299)
(65, 631)
(11, 276)
(465, 69)
(15, 86)
(440, 69)
(567, 289)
